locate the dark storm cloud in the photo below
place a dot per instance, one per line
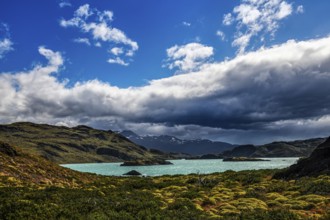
(280, 86)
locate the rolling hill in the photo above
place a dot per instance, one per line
(79, 144)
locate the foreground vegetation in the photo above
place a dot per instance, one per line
(228, 195)
(32, 187)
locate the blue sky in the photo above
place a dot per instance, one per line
(154, 25)
(110, 51)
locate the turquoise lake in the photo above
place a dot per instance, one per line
(183, 167)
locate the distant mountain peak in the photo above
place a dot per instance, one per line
(168, 143)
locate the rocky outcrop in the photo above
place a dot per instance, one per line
(316, 164)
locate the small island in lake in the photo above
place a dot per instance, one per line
(242, 159)
(146, 162)
(132, 173)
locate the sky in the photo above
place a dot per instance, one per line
(244, 71)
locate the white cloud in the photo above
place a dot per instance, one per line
(117, 51)
(130, 53)
(55, 58)
(82, 41)
(119, 61)
(6, 45)
(105, 16)
(98, 25)
(64, 4)
(242, 41)
(254, 18)
(221, 34)
(271, 93)
(101, 31)
(247, 14)
(300, 9)
(187, 24)
(83, 11)
(284, 10)
(188, 57)
(228, 19)
(74, 22)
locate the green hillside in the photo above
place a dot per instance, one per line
(79, 144)
(21, 169)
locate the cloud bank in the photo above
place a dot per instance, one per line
(282, 91)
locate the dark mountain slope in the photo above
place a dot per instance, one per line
(79, 144)
(241, 150)
(168, 143)
(316, 164)
(301, 148)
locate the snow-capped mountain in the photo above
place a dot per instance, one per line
(168, 143)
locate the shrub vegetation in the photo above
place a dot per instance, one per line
(228, 195)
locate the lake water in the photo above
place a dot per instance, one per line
(182, 167)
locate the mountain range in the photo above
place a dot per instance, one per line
(207, 149)
(168, 143)
(83, 144)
